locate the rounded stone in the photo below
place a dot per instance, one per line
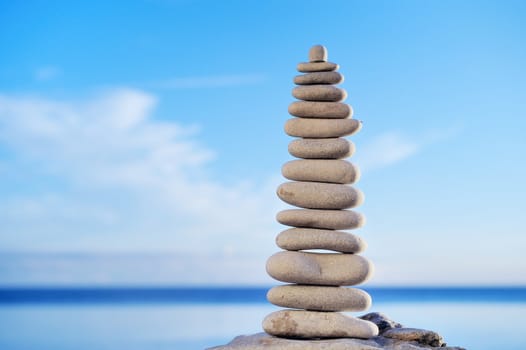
(319, 195)
(322, 128)
(322, 269)
(310, 238)
(317, 67)
(319, 298)
(316, 324)
(321, 170)
(309, 109)
(319, 78)
(324, 219)
(319, 93)
(333, 148)
(318, 53)
(420, 336)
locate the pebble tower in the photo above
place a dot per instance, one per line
(315, 293)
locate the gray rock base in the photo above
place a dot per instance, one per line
(263, 341)
(392, 337)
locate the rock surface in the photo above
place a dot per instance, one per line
(319, 93)
(264, 341)
(334, 148)
(321, 128)
(319, 195)
(383, 322)
(319, 298)
(317, 67)
(310, 238)
(321, 170)
(309, 109)
(317, 324)
(326, 269)
(398, 338)
(318, 53)
(422, 336)
(324, 219)
(319, 78)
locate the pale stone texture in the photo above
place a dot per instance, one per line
(322, 128)
(319, 195)
(414, 334)
(325, 219)
(309, 67)
(319, 78)
(381, 320)
(319, 298)
(319, 93)
(321, 170)
(309, 109)
(318, 53)
(326, 269)
(311, 238)
(316, 324)
(264, 341)
(333, 148)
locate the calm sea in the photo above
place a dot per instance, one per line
(196, 318)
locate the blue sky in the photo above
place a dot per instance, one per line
(141, 141)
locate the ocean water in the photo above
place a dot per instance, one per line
(197, 318)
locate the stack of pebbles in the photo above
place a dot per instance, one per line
(320, 188)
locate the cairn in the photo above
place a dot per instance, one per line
(320, 188)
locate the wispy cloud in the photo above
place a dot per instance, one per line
(47, 73)
(108, 177)
(214, 81)
(385, 150)
(393, 147)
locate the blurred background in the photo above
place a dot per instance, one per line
(141, 144)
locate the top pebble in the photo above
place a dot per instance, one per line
(318, 53)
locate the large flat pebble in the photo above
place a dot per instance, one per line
(321, 170)
(330, 110)
(307, 67)
(333, 148)
(319, 78)
(319, 298)
(322, 128)
(311, 238)
(319, 195)
(319, 93)
(325, 269)
(315, 324)
(324, 219)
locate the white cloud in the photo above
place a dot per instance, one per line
(385, 150)
(211, 81)
(393, 147)
(122, 181)
(47, 73)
